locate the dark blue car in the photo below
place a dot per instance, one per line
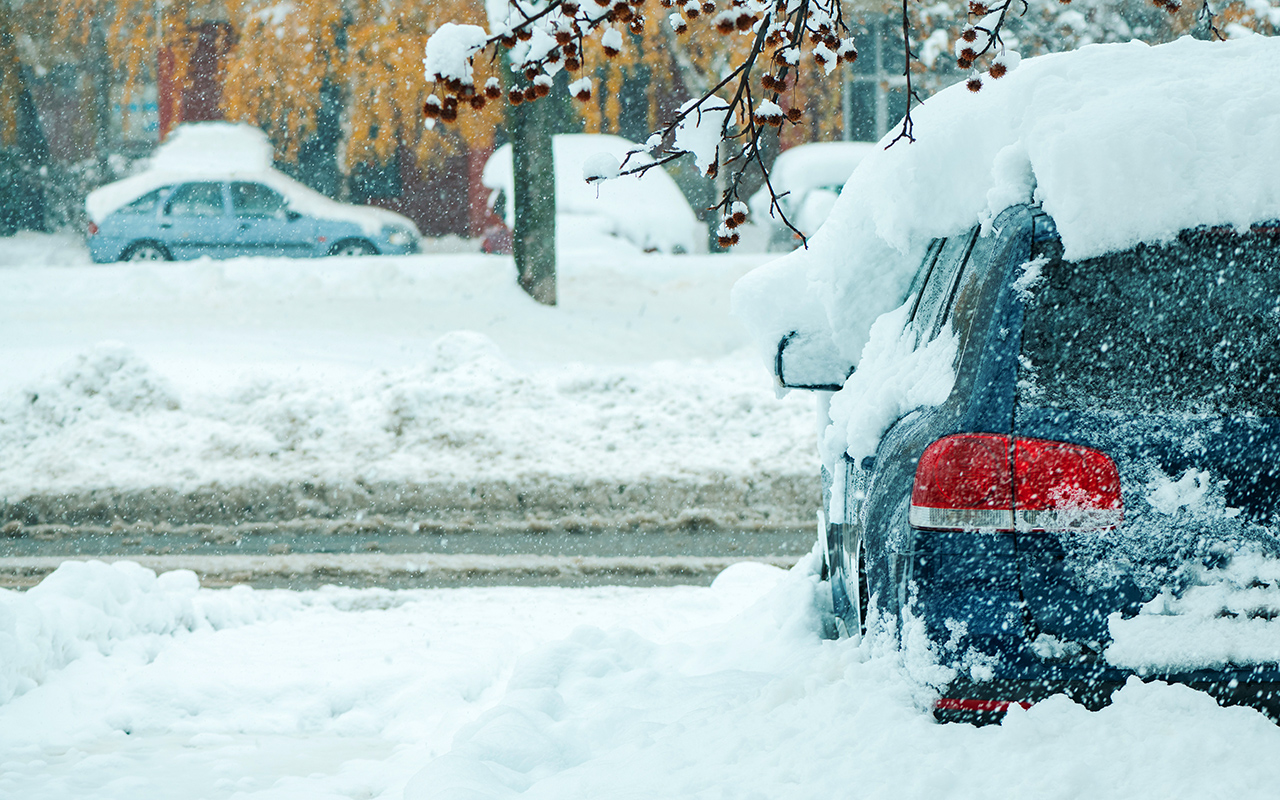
(1016, 520)
(261, 214)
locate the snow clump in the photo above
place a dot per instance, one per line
(700, 132)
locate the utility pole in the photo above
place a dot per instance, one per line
(533, 176)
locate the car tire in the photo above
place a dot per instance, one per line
(146, 251)
(354, 247)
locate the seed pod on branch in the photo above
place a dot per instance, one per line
(768, 113)
(493, 88)
(581, 89)
(611, 42)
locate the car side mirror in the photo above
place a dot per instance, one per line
(810, 361)
(291, 215)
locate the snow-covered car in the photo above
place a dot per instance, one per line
(807, 180)
(647, 214)
(210, 190)
(1056, 465)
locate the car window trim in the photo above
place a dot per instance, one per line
(926, 267)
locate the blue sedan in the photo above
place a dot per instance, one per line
(229, 218)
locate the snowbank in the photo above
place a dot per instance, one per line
(107, 419)
(88, 607)
(1121, 143)
(231, 151)
(650, 212)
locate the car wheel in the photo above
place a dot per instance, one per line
(145, 251)
(353, 247)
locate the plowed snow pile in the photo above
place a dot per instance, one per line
(249, 378)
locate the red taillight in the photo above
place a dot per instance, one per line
(93, 229)
(983, 481)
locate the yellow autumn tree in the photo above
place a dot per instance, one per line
(10, 85)
(370, 50)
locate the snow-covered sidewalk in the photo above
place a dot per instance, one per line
(128, 686)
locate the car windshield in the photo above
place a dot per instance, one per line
(1189, 326)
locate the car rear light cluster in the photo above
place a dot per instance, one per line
(984, 706)
(992, 482)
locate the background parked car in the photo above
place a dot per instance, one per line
(807, 178)
(211, 191)
(650, 212)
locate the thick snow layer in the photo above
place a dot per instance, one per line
(648, 211)
(1228, 616)
(729, 691)
(231, 151)
(893, 377)
(424, 367)
(1121, 143)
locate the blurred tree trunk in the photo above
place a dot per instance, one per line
(534, 179)
(100, 95)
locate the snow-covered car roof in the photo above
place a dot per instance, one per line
(230, 151)
(650, 211)
(808, 166)
(1119, 143)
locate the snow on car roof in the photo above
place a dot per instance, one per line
(650, 211)
(230, 151)
(1120, 143)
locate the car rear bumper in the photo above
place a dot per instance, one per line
(985, 702)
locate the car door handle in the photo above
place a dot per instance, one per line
(244, 226)
(166, 224)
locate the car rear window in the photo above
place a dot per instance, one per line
(1190, 326)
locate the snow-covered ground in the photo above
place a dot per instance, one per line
(133, 687)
